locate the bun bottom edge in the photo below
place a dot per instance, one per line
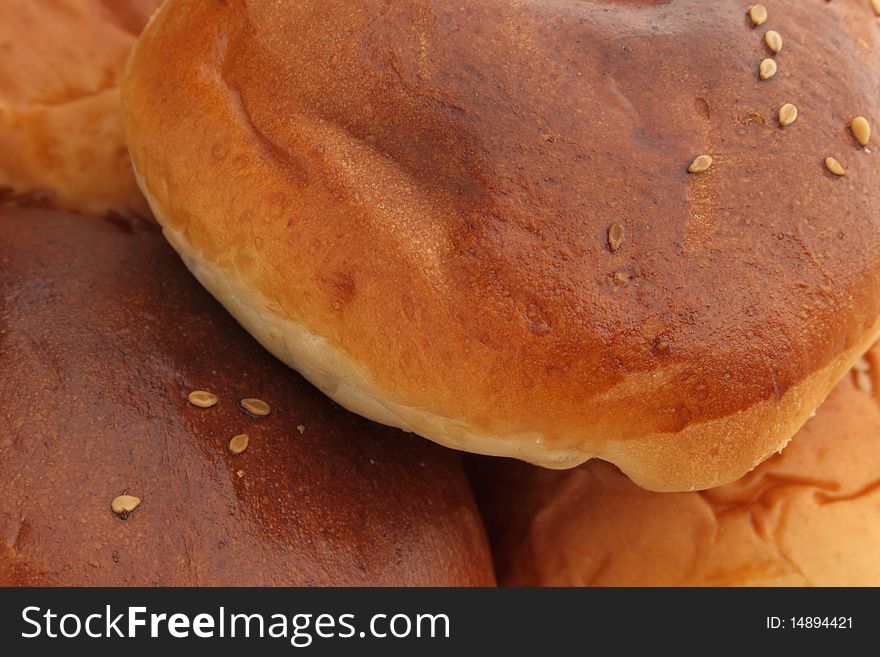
(702, 455)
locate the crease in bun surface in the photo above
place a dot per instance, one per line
(61, 138)
(410, 204)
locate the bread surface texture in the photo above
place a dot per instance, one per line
(807, 517)
(61, 137)
(477, 222)
(103, 337)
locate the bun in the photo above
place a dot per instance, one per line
(477, 223)
(103, 335)
(60, 129)
(805, 517)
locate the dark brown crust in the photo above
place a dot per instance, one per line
(102, 335)
(430, 187)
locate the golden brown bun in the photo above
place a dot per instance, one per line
(410, 204)
(60, 132)
(810, 516)
(103, 334)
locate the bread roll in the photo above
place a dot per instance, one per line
(810, 516)
(61, 140)
(477, 222)
(103, 335)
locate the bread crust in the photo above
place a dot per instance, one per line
(60, 124)
(103, 335)
(428, 191)
(807, 517)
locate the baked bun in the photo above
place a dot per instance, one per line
(476, 222)
(103, 335)
(61, 141)
(806, 517)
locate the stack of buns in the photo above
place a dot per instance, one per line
(554, 231)
(127, 390)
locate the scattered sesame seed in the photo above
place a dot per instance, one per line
(861, 130)
(788, 114)
(834, 166)
(239, 443)
(124, 505)
(616, 235)
(240, 473)
(767, 69)
(758, 14)
(875, 5)
(700, 164)
(255, 407)
(202, 398)
(773, 40)
(301, 428)
(862, 365)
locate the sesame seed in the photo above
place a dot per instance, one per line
(773, 40)
(834, 166)
(202, 398)
(255, 406)
(788, 113)
(700, 164)
(124, 505)
(240, 473)
(862, 365)
(301, 428)
(767, 69)
(616, 235)
(861, 130)
(758, 14)
(239, 443)
(875, 5)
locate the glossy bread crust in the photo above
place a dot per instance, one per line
(411, 203)
(807, 517)
(103, 334)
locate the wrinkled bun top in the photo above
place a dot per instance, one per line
(61, 141)
(806, 517)
(411, 204)
(103, 334)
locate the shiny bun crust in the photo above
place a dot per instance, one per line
(103, 335)
(477, 222)
(805, 517)
(61, 141)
